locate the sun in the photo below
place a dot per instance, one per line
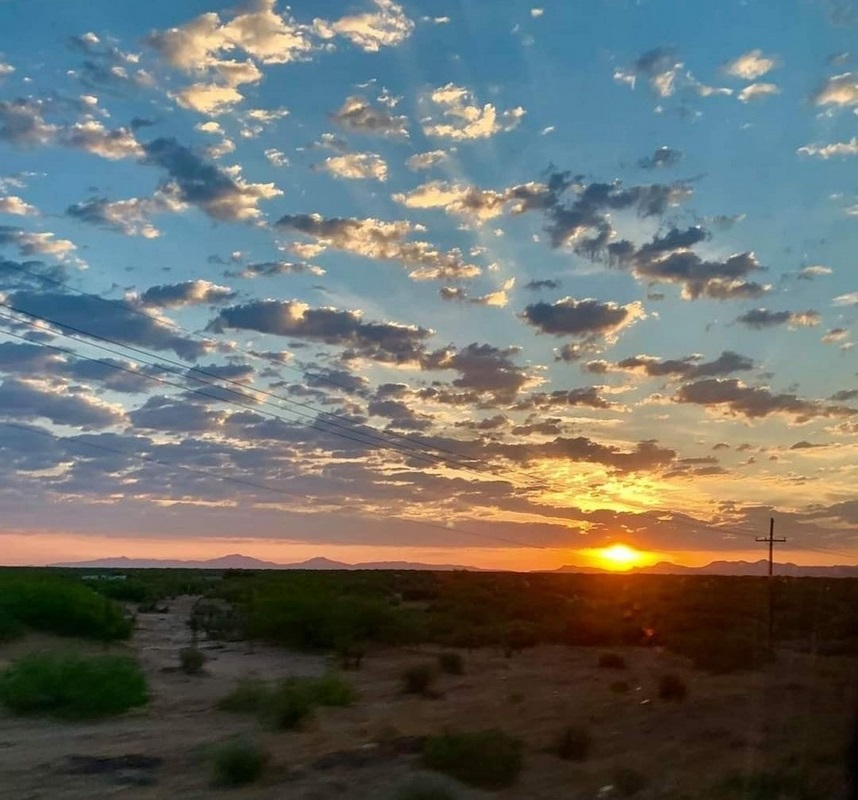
(619, 556)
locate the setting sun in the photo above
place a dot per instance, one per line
(619, 556)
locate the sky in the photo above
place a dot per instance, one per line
(498, 284)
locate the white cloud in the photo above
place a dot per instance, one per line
(808, 273)
(757, 91)
(427, 160)
(370, 31)
(826, 151)
(839, 90)
(36, 243)
(462, 118)
(850, 299)
(255, 120)
(92, 137)
(750, 65)
(6, 69)
(276, 157)
(11, 204)
(356, 166)
(537, 12)
(469, 201)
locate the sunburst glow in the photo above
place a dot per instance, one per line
(620, 556)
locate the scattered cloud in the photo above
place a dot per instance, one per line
(498, 298)
(382, 241)
(662, 158)
(356, 166)
(370, 31)
(32, 244)
(12, 204)
(761, 318)
(838, 90)
(427, 160)
(758, 91)
(815, 271)
(358, 115)
(268, 269)
(128, 217)
(751, 65)
(179, 295)
(826, 151)
(688, 368)
(455, 114)
(545, 283)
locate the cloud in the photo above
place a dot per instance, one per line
(663, 157)
(809, 273)
(669, 259)
(462, 118)
(588, 320)
(120, 320)
(588, 397)
(14, 205)
(659, 67)
(359, 116)
(850, 299)
(835, 335)
(22, 123)
(268, 269)
(356, 166)
(750, 65)
(545, 283)
(387, 27)
(758, 91)
(92, 137)
(30, 244)
(106, 67)
(128, 217)
(276, 157)
(755, 403)
(472, 203)
(838, 90)
(498, 298)
(689, 367)
(760, 318)
(29, 399)
(427, 160)
(380, 341)
(223, 195)
(383, 241)
(483, 368)
(179, 295)
(826, 151)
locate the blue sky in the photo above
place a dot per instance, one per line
(570, 276)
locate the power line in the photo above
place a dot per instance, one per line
(326, 379)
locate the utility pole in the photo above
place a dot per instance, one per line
(770, 540)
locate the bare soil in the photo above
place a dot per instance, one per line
(793, 714)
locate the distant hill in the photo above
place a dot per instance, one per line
(238, 561)
(760, 567)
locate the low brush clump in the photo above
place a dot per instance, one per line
(452, 663)
(238, 763)
(72, 687)
(611, 661)
(191, 661)
(489, 759)
(672, 687)
(418, 679)
(574, 743)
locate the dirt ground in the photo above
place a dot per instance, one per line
(794, 713)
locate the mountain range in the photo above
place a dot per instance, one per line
(238, 561)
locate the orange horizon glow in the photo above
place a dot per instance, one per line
(620, 557)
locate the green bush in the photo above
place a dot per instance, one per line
(452, 663)
(249, 696)
(574, 743)
(238, 763)
(288, 707)
(672, 687)
(611, 661)
(629, 781)
(191, 660)
(418, 679)
(329, 690)
(72, 687)
(63, 607)
(489, 759)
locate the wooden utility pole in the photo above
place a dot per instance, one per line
(770, 540)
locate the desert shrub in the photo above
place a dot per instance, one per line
(72, 687)
(426, 787)
(249, 696)
(418, 679)
(629, 781)
(58, 606)
(574, 743)
(191, 660)
(452, 663)
(237, 763)
(350, 654)
(620, 687)
(611, 661)
(288, 707)
(489, 759)
(672, 687)
(330, 690)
